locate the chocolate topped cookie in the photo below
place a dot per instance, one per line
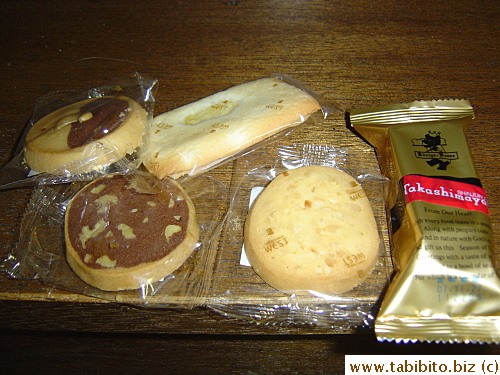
(121, 236)
(86, 135)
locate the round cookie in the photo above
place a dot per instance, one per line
(85, 136)
(120, 237)
(312, 229)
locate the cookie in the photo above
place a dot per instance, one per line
(312, 229)
(85, 136)
(120, 236)
(201, 134)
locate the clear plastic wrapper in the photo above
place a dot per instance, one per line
(239, 292)
(84, 134)
(213, 130)
(42, 250)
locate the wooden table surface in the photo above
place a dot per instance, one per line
(358, 53)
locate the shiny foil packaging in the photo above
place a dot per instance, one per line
(445, 287)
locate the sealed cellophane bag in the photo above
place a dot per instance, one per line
(84, 134)
(446, 288)
(311, 262)
(205, 133)
(129, 238)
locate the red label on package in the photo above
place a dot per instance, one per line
(445, 192)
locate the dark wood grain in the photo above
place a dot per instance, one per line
(56, 352)
(358, 53)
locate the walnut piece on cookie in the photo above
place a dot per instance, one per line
(312, 229)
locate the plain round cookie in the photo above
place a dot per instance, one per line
(198, 135)
(312, 229)
(119, 237)
(85, 136)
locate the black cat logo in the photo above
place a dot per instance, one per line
(435, 152)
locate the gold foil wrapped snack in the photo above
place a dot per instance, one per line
(445, 288)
